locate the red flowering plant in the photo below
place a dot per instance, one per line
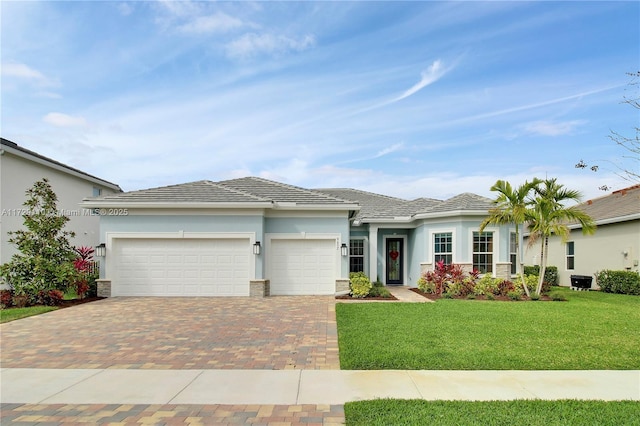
(86, 269)
(448, 278)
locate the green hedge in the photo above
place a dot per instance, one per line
(621, 282)
(550, 273)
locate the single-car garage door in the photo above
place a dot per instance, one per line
(181, 267)
(302, 267)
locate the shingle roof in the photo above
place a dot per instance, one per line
(618, 204)
(371, 205)
(13, 145)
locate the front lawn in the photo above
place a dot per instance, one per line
(12, 314)
(508, 413)
(590, 331)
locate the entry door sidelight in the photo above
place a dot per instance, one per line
(394, 262)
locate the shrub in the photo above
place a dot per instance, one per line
(535, 296)
(378, 291)
(490, 296)
(471, 296)
(448, 295)
(620, 282)
(550, 273)
(448, 278)
(487, 285)
(514, 295)
(50, 297)
(5, 299)
(505, 287)
(426, 286)
(359, 284)
(530, 280)
(557, 296)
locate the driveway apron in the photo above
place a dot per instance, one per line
(275, 333)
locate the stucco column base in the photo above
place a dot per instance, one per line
(259, 288)
(104, 287)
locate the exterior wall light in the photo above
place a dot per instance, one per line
(101, 250)
(344, 250)
(256, 248)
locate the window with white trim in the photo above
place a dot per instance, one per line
(483, 252)
(356, 255)
(443, 247)
(513, 253)
(570, 250)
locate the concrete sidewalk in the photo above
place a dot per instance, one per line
(292, 387)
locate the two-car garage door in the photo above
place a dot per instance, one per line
(181, 267)
(220, 266)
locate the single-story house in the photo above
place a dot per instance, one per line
(253, 236)
(615, 244)
(20, 168)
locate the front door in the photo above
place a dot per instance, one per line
(394, 262)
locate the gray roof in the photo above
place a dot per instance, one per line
(376, 206)
(243, 191)
(203, 191)
(9, 144)
(618, 204)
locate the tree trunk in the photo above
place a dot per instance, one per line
(543, 263)
(520, 268)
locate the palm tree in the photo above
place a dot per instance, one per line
(510, 208)
(549, 216)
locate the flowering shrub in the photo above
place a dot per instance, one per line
(360, 284)
(50, 298)
(487, 285)
(5, 299)
(448, 279)
(85, 269)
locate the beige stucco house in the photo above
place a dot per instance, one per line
(615, 245)
(20, 168)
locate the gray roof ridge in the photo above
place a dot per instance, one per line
(237, 191)
(289, 186)
(11, 144)
(362, 192)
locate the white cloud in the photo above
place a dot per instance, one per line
(63, 120)
(25, 72)
(252, 44)
(549, 128)
(427, 77)
(125, 9)
(219, 22)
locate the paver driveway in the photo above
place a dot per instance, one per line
(284, 332)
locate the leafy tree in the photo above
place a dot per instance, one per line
(630, 143)
(510, 208)
(44, 261)
(548, 215)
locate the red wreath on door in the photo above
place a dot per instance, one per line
(394, 255)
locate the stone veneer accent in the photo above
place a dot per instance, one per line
(259, 288)
(342, 286)
(104, 287)
(503, 270)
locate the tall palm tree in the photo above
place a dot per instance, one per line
(548, 215)
(510, 208)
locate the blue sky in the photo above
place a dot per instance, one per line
(410, 99)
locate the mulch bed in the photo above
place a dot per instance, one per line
(366, 299)
(435, 297)
(74, 302)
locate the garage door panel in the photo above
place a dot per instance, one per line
(302, 267)
(181, 267)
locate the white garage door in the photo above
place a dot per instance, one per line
(300, 267)
(181, 267)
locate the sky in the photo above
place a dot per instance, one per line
(408, 99)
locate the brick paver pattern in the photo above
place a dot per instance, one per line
(274, 333)
(103, 414)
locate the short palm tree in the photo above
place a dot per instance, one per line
(510, 208)
(548, 215)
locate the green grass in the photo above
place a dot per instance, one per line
(492, 413)
(12, 314)
(590, 331)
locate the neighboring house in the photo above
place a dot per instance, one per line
(615, 244)
(20, 168)
(252, 236)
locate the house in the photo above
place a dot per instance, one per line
(20, 168)
(615, 244)
(253, 236)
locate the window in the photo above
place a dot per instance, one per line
(356, 256)
(443, 247)
(97, 191)
(570, 256)
(483, 252)
(513, 253)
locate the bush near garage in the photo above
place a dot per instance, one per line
(620, 282)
